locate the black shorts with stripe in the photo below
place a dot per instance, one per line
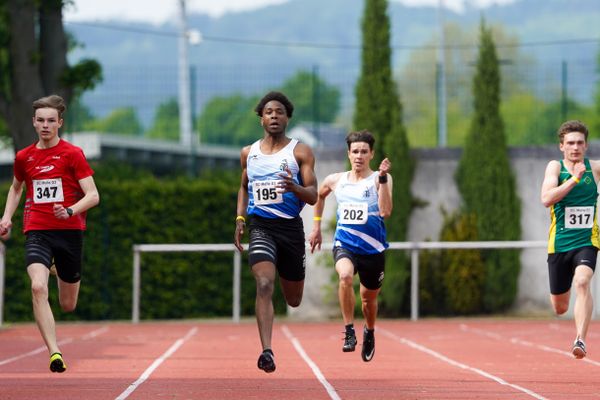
(561, 267)
(280, 241)
(64, 248)
(370, 267)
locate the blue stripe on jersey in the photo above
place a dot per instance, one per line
(267, 167)
(368, 238)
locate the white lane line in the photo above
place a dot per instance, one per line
(315, 369)
(526, 343)
(156, 364)
(41, 349)
(454, 363)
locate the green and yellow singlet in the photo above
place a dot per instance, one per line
(574, 219)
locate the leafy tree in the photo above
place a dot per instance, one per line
(33, 52)
(596, 126)
(166, 121)
(122, 121)
(418, 82)
(78, 116)
(378, 109)
(486, 181)
(230, 121)
(313, 98)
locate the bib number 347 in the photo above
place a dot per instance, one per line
(48, 191)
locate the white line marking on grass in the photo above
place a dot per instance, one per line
(454, 363)
(296, 343)
(522, 342)
(156, 364)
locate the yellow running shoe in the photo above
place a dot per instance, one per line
(57, 364)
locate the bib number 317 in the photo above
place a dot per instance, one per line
(579, 217)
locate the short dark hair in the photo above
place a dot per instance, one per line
(360, 136)
(572, 126)
(52, 101)
(277, 96)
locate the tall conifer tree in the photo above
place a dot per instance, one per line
(486, 180)
(378, 109)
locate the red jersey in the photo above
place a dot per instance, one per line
(51, 176)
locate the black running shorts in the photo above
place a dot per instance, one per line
(280, 241)
(370, 267)
(561, 267)
(64, 246)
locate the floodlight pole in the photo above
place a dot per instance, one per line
(441, 81)
(185, 114)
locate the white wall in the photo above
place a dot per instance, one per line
(434, 182)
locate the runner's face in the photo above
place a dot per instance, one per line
(574, 146)
(360, 155)
(46, 123)
(274, 117)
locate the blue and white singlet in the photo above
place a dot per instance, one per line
(360, 229)
(263, 173)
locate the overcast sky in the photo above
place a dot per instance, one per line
(159, 11)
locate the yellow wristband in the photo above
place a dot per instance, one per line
(577, 180)
(240, 217)
(316, 218)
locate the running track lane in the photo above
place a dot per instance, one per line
(428, 359)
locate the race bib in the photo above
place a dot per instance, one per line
(354, 213)
(579, 217)
(265, 192)
(48, 191)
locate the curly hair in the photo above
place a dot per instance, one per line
(277, 96)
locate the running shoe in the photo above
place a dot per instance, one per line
(349, 341)
(266, 361)
(578, 349)
(57, 364)
(368, 347)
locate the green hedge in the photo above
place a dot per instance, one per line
(136, 208)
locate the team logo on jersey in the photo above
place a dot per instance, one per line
(30, 159)
(283, 165)
(56, 157)
(45, 168)
(367, 193)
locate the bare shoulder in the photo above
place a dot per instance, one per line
(303, 151)
(245, 151)
(553, 167)
(595, 164)
(331, 180)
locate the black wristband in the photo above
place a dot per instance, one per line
(383, 178)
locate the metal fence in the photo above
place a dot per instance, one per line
(413, 247)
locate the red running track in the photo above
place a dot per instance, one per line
(427, 359)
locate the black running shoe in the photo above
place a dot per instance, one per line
(266, 361)
(349, 341)
(578, 349)
(368, 347)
